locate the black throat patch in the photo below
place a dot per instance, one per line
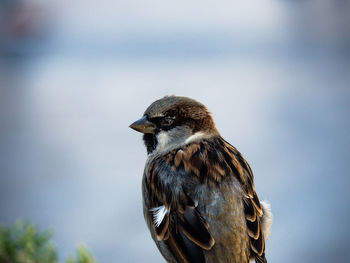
(150, 141)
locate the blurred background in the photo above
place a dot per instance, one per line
(74, 74)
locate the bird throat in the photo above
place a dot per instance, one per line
(150, 141)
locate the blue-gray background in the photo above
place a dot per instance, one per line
(74, 75)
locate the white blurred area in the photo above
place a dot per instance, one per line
(75, 74)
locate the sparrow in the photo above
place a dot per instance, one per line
(199, 199)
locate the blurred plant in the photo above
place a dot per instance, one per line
(23, 243)
(83, 256)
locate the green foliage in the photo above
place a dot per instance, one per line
(23, 243)
(83, 256)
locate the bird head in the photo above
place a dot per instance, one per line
(172, 122)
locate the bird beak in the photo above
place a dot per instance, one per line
(143, 125)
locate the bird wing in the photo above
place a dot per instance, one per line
(252, 207)
(175, 219)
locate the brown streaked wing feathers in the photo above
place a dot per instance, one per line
(186, 235)
(175, 247)
(183, 249)
(162, 229)
(252, 206)
(196, 229)
(183, 230)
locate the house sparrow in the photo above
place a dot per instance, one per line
(199, 199)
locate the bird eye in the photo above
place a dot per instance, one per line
(164, 123)
(168, 120)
